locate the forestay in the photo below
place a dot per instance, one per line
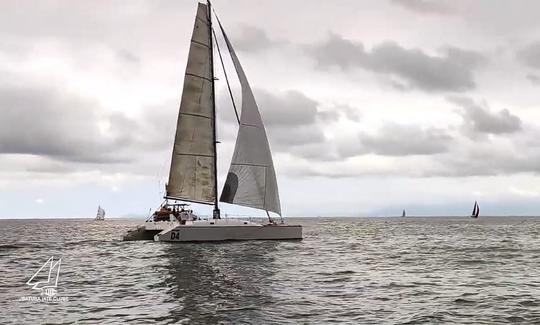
(251, 180)
(191, 176)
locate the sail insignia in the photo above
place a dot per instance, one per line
(251, 180)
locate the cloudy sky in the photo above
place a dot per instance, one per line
(370, 106)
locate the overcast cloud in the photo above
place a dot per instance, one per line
(450, 70)
(530, 55)
(478, 118)
(440, 93)
(426, 6)
(402, 140)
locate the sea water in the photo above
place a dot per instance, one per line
(346, 270)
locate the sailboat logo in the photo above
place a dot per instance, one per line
(49, 271)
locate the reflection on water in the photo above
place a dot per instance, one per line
(220, 282)
(359, 271)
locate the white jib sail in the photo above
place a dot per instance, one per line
(251, 180)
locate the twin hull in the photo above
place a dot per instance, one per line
(148, 230)
(213, 231)
(230, 232)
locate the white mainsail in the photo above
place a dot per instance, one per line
(192, 173)
(251, 180)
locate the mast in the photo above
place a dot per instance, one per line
(216, 199)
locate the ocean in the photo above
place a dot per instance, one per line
(346, 270)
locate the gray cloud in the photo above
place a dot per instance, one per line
(426, 6)
(128, 56)
(286, 139)
(530, 55)
(487, 159)
(533, 78)
(328, 115)
(253, 39)
(397, 140)
(286, 109)
(481, 120)
(402, 140)
(295, 122)
(291, 119)
(45, 122)
(349, 112)
(452, 70)
(47, 166)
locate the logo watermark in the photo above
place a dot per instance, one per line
(45, 281)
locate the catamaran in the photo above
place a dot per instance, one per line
(476, 210)
(251, 180)
(100, 216)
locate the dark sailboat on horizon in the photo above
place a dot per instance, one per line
(476, 210)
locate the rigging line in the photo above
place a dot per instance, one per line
(216, 214)
(226, 77)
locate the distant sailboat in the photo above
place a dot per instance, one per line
(403, 215)
(100, 216)
(251, 180)
(475, 211)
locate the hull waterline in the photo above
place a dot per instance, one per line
(214, 233)
(213, 230)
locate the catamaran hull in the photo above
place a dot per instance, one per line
(140, 234)
(228, 232)
(148, 230)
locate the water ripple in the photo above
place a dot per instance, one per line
(351, 271)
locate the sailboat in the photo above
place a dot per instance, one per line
(403, 215)
(100, 216)
(251, 180)
(476, 210)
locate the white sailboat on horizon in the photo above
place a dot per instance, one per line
(251, 180)
(100, 216)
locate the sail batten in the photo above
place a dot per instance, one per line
(192, 172)
(251, 180)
